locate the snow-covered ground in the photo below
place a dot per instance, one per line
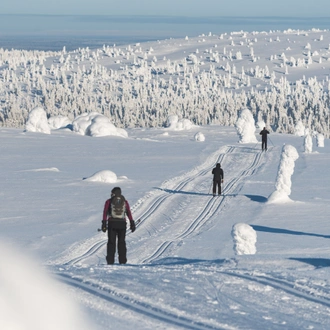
(237, 261)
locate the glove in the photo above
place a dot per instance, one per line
(132, 226)
(104, 226)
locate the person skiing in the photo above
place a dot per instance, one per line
(217, 178)
(114, 220)
(263, 134)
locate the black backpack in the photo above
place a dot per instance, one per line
(117, 207)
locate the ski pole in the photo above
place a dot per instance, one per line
(210, 188)
(136, 222)
(271, 142)
(256, 145)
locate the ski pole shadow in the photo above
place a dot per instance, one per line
(316, 262)
(285, 231)
(170, 191)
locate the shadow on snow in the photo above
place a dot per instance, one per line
(254, 198)
(285, 231)
(316, 262)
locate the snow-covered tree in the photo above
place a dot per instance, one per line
(285, 170)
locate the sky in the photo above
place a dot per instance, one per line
(170, 7)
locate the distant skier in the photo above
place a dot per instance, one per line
(217, 178)
(114, 220)
(263, 134)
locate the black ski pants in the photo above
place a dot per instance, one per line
(264, 144)
(116, 235)
(216, 183)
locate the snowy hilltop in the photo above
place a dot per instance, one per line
(155, 119)
(281, 76)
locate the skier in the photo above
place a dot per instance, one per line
(114, 220)
(263, 134)
(217, 178)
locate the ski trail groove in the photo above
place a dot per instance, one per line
(212, 206)
(280, 285)
(132, 304)
(90, 247)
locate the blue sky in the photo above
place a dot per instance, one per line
(170, 7)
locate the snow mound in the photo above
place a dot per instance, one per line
(104, 176)
(245, 127)
(57, 122)
(199, 137)
(37, 302)
(37, 121)
(96, 125)
(245, 238)
(173, 123)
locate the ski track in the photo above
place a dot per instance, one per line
(283, 285)
(187, 322)
(142, 308)
(151, 205)
(212, 206)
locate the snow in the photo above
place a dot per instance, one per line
(176, 124)
(246, 127)
(285, 170)
(37, 121)
(30, 298)
(105, 176)
(56, 122)
(94, 124)
(255, 258)
(244, 238)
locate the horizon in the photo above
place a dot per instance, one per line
(163, 15)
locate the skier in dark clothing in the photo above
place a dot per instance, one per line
(114, 220)
(217, 178)
(263, 134)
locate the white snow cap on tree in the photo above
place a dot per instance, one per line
(299, 129)
(261, 124)
(308, 142)
(245, 127)
(37, 121)
(320, 140)
(175, 124)
(245, 239)
(285, 170)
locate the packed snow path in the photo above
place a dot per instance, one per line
(173, 216)
(180, 208)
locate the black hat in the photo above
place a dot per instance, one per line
(116, 191)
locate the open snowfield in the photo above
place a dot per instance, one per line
(182, 269)
(160, 116)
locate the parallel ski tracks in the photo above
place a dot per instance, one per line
(143, 308)
(187, 322)
(212, 206)
(92, 248)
